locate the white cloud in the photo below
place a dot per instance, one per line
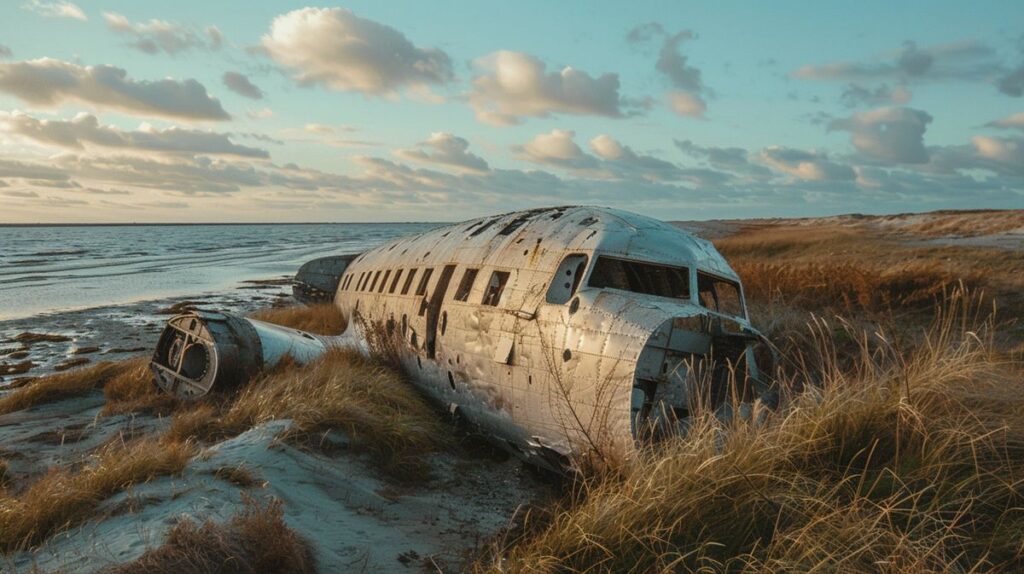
(260, 114)
(241, 85)
(446, 149)
(86, 129)
(686, 104)
(611, 159)
(48, 82)
(5, 52)
(1006, 151)
(557, 148)
(341, 51)
(805, 165)
(157, 36)
(1015, 121)
(512, 85)
(56, 9)
(888, 134)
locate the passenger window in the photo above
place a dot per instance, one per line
(421, 289)
(408, 281)
(384, 281)
(495, 287)
(567, 279)
(719, 294)
(394, 283)
(362, 281)
(373, 284)
(641, 277)
(466, 285)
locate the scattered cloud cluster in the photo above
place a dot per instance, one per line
(889, 134)
(47, 82)
(56, 9)
(335, 48)
(165, 156)
(448, 150)
(511, 85)
(85, 129)
(807, 166)
(157, 36)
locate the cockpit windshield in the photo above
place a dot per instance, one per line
(718, 294)
(641, 277)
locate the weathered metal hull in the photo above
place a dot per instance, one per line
(555, 330)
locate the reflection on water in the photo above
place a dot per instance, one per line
(52, 268)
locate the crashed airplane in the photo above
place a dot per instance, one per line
(550, 330)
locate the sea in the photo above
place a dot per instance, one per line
(106, 290)
(45, 269)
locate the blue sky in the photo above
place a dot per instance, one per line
(392, 111)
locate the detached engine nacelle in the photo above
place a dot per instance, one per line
(202, 352)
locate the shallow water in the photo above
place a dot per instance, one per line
(58, 268)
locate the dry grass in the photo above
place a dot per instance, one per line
(961, 223)
(65, 497)
(370, 402)
(133, 390)
(255, 541)
(321, 319)
(60, 386)
(903, 460)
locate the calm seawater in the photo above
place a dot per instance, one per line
(58, 268)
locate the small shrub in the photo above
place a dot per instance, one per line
(255, 541)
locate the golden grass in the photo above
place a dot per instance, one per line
(962, 223)
(133, 390)
(255, 541)
(64, 497)
(368, 401)
(320, 319)
(903, 460)
(60, 386)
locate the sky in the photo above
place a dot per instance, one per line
(198, 111)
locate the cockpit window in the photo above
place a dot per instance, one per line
(641, 277)
(720, 294)
(567, 279)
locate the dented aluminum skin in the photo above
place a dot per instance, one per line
(555, 365)
(530, 346)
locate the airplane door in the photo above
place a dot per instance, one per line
(434, 308)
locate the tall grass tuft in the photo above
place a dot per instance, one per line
(899, 460)
(64, 497)
(60, 386)
(369, 401)
(255, 541)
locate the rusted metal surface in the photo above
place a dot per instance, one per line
(558, 329)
